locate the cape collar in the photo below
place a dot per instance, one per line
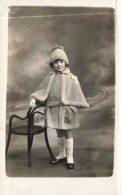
(65, 71)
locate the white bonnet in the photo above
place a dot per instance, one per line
(58, 53)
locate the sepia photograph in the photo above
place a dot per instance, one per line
(60, 107)
(60, 83)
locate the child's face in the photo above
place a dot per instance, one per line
(59, 65)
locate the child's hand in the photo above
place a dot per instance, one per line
(33, 103)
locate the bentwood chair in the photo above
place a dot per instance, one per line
(29, 129)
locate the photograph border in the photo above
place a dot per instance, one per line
(109, 185)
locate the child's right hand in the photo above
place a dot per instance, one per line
(33, 103)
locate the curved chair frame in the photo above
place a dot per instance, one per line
(28, 130)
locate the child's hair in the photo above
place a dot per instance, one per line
(51, 64)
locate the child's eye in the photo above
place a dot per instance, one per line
(61, 61)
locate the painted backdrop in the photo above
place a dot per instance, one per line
(88, 37)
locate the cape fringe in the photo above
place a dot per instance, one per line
(63, 100)
(72, 103)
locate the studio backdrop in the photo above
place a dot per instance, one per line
(88, 37)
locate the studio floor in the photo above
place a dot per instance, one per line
(88, 163)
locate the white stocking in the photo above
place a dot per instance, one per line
(69, 150)
(61, 145)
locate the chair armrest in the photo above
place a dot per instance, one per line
(18, 117)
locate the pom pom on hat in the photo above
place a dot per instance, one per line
(57, 47)
(58, 53)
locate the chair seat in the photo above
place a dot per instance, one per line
(22, 130)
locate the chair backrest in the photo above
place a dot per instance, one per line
(31, 113)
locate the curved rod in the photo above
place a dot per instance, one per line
(21, 118)
(18, 117)
(36, 108)
(37, 112)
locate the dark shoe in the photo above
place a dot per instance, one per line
(70, 165)
(57, 161)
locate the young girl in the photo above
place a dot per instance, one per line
(60, 91)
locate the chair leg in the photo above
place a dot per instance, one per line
(47, 143)
(8, 141)
(31, 140)
(29, 152)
